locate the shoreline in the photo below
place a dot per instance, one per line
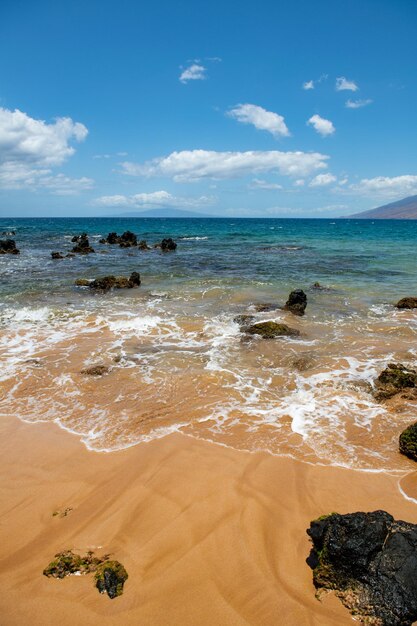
(208, 534)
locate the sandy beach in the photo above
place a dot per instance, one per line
(208, 535)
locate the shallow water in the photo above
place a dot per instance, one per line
(177, 359)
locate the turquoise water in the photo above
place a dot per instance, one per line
(369, 257)
(178, 361)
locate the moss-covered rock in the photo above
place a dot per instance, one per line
(394, 379)
(270, 330)
(296, 303)
(408, 442)
(110, 578)
(96, 370)
(116, 282)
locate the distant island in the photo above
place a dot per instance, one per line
(405, 209)
(163, 213)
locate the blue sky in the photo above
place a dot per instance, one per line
(274, 109)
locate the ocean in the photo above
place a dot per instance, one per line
(177, 359)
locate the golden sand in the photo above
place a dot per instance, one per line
(210, 536)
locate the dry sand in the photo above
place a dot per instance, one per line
(209, 536)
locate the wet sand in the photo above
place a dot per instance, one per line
(209, 535)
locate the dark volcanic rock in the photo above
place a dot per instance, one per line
(408, 442)
(270, 330)
(127, 240)
(168, 245)
(297, 302)
(116, 282)
(370, 560)
(82, 244)
(56, 255)
(110, 578)
(83, 282)
(8, 246)
(142, 245)
(407, 303)
(262, 307)
(394, 379)
(244, 320)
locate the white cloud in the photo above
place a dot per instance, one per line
(29, 148)
(321, 125)
(321, 180)
(191, 165)
(260, 118)
(357, 104)
(299, 183)
(386, 186)
(309, 84)
(263, 184)
(343, 84)
(193, 72)
(152, 200)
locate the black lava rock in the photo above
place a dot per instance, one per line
(8, 246)
(370, 560)
(110, 578)
(297, 302)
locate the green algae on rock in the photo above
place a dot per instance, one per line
(394, 379)
(110, 576)
(270, 330)
(408, 442)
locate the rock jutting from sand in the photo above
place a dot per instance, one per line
(407, 303)
(111, 282)
(394, 379)
(370, 561)
(110, 576)
(296, 303)
(408, 442)
(82, 244)
(8, 246)
(270, 330)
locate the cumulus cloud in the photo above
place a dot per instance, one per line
(191, 165)
(309, 84)
(321, 125)
(263, 184)
(357, 104)
(194, 72)
(154, 199)
(386, 186)
(321, 180)
(260, 118)
(343, 84)
(299, 182)
(30, 147)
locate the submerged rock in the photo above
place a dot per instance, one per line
(83, 282)
(270, 330)
(408, 442)
(244, 320)
(96, 370)
(296, 303)
(394, 379)
(57, 255)
(407, 303)
(262, 307)
(142, 245)
(110, 578)
(82, 244)
(370, 561)
(8, 246)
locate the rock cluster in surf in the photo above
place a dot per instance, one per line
(110, 576)
(370, 561)
(82, 244)
(110, 282)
